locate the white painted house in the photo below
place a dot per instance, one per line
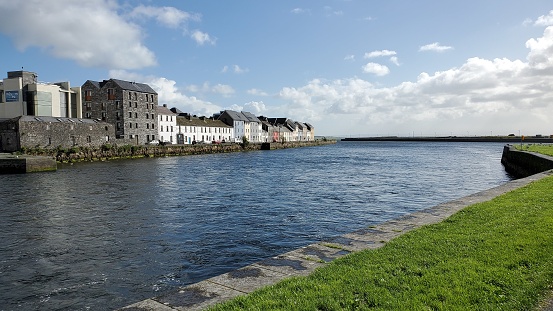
(192, 129)
(166, 125)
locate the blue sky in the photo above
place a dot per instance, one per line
(349, 67)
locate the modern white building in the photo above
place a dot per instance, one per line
(166, 125)
(21, 94)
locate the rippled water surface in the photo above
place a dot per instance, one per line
(99, 236)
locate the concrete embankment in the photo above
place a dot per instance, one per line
(523, 164)
(15, 164)
(305, 260)
(107, 152)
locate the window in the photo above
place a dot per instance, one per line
(103, 106)
(111, 94)
(136, 115)
(88, 95)
(152, 116)
(147, 116)
(118, 125)
(130, 125)
(148, 125)
(130, 114)
(130, 104)
(88, 139)
(135, 105)
(171, 128)
(136, 125)
(130, 97)
(118, 104)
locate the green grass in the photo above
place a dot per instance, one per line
(496, 255)
(546, 149)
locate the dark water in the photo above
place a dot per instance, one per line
(99, 236)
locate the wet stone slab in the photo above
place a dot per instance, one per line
(319, 253)
(147, 305)
(249, 278)
(290, 265)
(197, 296)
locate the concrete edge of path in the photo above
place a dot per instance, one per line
(305, 260)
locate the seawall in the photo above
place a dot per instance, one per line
(523, 164)
(107, 152)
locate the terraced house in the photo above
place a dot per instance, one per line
(131, 107)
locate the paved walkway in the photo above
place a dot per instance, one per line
(303, 261)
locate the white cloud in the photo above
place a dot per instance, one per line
(545, 20)
(377, 69)
(479, 96)
(206, 88)
(350, 58)
(434, 47)
(394, 60)
(202, 38)
(90, 33)
(223, 89)
(381, 53)
(225, 69)
(299, 11)
(237, 69)
(255, 107)
(257, 92)
(169, 93)
(168, 16)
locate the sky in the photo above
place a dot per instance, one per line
(350, 68)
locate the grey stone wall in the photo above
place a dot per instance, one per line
(67, 134)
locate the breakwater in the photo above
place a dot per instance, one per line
(459, 139)
(522, 164)
(108, 151)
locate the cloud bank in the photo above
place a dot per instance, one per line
(92, 33)
(501, 93)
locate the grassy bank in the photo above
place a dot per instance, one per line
(546, 149)
(496, 255)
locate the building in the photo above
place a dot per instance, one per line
(21, 94)
(245, 124)
(254, 127)
(167, 125)
(51, 132)
(131, 107)
(192, 129)
(288, 130)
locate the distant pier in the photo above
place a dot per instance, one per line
(476, 139)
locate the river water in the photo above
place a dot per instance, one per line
(98, 236)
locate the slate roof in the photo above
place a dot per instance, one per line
(236, 116)
(126, 85)
(183, 121)
(250, 117)
(164, 111)
(133, 86)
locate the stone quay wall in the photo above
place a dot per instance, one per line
(107, 151)
(523, 164)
